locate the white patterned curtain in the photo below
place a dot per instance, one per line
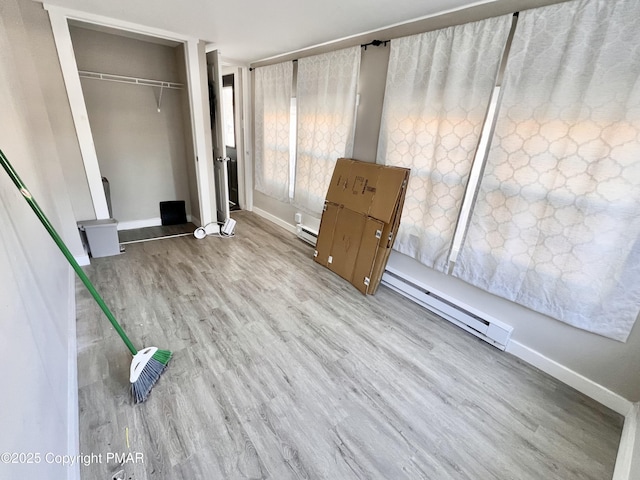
(556, 226)
(326, 99)
(438, 89)
(273, 85)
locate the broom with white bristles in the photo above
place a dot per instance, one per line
(147, 364)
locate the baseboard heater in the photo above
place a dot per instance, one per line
(307, 234)
(490, 330)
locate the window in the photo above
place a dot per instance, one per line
(273, 86)
(555, 226)
(439, 85)
(543, 211)
(320, 124)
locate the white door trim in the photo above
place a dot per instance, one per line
(238, 117)
(243, 129)
(196, 59)
(62, 38)
(629, 449)
(247, 142)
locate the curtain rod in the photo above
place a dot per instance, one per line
(375, 43)
(251, 69)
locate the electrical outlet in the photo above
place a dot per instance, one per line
(298, 217)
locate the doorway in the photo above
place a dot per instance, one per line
(227, 90)
(229, 116)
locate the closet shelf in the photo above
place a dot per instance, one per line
(132, 80)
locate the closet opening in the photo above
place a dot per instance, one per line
(138, 98)
(135, 92)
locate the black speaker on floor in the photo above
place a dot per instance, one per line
(173, 212)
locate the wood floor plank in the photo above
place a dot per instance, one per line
(282, 370)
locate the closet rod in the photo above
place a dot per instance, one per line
(132, 80)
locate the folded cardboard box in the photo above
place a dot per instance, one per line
(360, 220)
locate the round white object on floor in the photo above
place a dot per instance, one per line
(199, 233)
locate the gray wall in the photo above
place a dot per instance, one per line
(43, 49)
(37, 302)
(609, 363)
(141, 151)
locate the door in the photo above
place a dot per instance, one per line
(229, 107)
(220, 170)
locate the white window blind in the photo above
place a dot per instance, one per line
(273, 86)
(438, 89)
(326, 100)
(556, 224)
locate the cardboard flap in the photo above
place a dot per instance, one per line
(362, 187)
(325, 235)
(389, 189)
(339, 180)
(369, 245)
(346, 242)
(367, 188)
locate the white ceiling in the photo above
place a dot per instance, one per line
(250, 30)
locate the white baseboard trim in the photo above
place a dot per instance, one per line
(629, 449)
(73, 414)
(274, 219)
(147, 222)
(581, 383)
(83, 260)
(151, 222)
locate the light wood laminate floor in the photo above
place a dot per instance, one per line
(284, 371)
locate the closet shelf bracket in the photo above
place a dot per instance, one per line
(160, 98)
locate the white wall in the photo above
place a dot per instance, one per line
(37, 294)
(606, 362)
(141, 151)
(42, 53)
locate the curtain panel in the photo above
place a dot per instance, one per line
(326, 100)
(556, 224)
(438, 89)
(273, 85)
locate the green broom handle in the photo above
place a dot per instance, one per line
(56, 238)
